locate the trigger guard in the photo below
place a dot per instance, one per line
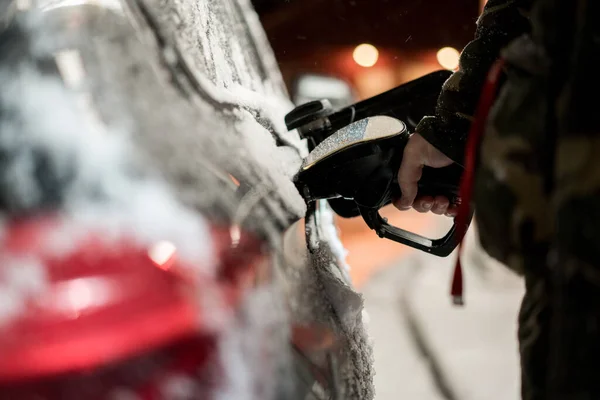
(441, 247)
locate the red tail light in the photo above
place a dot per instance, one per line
(105, 303)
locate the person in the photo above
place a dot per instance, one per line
(536, 189)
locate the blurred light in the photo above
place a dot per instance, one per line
(373, 81)
(366, 55)
(81, 294)
(234, 180)
(161, 253)
(323, 87)
(448, 57)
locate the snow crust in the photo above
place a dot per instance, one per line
(138, 146)
(103, 189)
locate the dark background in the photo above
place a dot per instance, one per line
(318, 36)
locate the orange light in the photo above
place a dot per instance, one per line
(448, 57)
(234, 180)
(366, 55)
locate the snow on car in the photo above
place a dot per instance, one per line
(159, 120)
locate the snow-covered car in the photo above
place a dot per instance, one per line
(152, 240)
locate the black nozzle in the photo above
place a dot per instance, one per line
(307, 113)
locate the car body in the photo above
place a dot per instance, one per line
(154, 129)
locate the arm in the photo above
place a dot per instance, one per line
(441, 138)
(501, 22)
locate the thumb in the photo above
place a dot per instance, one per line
(409, 174)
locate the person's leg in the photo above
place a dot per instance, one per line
(534, 320)
(513, 210)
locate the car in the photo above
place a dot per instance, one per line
(153, 241)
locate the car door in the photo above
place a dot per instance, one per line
(194, 89)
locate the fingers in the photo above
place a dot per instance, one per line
(417, 154)
(439, 205)
(409, 174)
(452, 211)
(424, 204)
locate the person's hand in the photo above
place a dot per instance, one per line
(419, 153)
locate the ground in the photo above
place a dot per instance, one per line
(424, 347)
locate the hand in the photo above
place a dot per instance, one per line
(419, 153)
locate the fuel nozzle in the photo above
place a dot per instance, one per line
(317, 120)
(311, 120)
(356, 167)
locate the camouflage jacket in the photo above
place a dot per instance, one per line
(537, 185)
(500, 22)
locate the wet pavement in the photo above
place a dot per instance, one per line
(426, 348)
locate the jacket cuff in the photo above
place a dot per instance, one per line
(450, 140)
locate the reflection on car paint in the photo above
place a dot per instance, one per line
(47, 5)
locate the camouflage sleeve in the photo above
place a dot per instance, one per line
(500, 22)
